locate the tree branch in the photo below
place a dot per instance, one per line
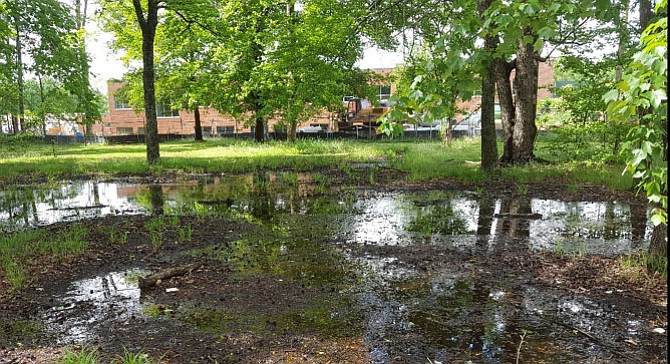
(140, 15)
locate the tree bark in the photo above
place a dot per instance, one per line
(148, 26)
(624, 37)
(292, 130)
(259, 130)
(502, 71)
(198, 124)
(152, 280)
(646, 14)
(489, 147)
(18, 125)
(659, 241)
(525, 85)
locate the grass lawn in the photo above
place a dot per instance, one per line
(420, 159)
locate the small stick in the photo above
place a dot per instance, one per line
(518, 350)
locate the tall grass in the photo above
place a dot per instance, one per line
(20, 248)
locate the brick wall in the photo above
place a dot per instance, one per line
(127, 121)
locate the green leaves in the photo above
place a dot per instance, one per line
(641, 97)
(40, 38)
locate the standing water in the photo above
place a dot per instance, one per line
(410, 259)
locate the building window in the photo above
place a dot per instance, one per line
(107, 125)
(384, 92)
(164, 110)
(225, 129)
(120, 102)
(124, 130)
(207, 130)
(140, 130)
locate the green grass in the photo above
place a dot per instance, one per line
(90, 356)
(21, 248)
(155, 227)
(422, 160)
(83, 356)
(37, 159)
(642, 264)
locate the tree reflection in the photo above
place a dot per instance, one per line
(157, 199)
(438, 217)
(513, 225)
(484, 223)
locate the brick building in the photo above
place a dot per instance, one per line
(123, 120)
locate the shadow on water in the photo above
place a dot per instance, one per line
(308, 242)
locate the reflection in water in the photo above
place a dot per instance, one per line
(435, 217)
(157, 200)
(484, 223)
(28, 206)
(91, 304)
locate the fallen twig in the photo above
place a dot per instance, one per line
(153, 279)
(518, 350)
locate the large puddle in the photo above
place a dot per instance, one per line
(406, 312)
(435, 217)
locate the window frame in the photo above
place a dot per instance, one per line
(162, 106)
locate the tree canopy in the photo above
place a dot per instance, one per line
(40, 40)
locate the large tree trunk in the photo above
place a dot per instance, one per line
(198, 124)
(489, 148)
(659, 241)
(489, 144)
(525, 85)
(502, 70)
(148, 27)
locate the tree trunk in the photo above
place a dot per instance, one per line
(525, 85)
(489, 147)
(198, 124)
(15, 124)
(502, 70)
(42, 99)
(659, 241)
(148, 27)
(18, 125)
(259, 130)
(624, 37)
(646, 14)
(292, 131)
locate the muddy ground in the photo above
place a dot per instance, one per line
(237, 310)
